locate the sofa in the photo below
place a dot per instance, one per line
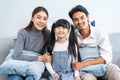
(8, 43)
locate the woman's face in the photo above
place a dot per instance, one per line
(40, 20)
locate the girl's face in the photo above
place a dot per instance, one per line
(40, 20)
(61, 32)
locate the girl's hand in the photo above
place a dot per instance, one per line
(55, 75)
(77, 78)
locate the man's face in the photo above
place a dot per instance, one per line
(80, 20)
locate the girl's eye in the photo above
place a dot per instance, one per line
(38, 17)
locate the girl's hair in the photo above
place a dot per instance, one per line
(72, 38)
(30, 25)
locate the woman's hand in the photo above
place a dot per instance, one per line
(45, 58)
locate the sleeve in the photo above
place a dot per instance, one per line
(19, 46)
(49, 68)
(105, 48)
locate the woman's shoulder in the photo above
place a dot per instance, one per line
(22, 30)
(48, 30)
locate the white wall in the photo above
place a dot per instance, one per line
(15, 14)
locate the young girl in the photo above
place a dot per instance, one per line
(63, 48)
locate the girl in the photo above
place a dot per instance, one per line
(32, 39)
(63, 48)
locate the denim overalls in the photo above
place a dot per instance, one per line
(62, 65)
(89, 53)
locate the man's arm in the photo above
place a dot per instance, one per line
(80, 65)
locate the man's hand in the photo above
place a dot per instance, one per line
(78, 65)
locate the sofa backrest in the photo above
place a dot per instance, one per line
(115, 43)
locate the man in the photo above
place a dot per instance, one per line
(89, 36)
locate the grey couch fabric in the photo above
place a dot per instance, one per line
(115, 43)
(7, 43)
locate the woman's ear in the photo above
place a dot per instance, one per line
(31, 18)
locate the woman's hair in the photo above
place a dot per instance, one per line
(72, 38)
(30, 25)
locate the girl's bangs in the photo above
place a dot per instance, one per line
(62, 25)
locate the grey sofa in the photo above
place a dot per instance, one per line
(7, 43)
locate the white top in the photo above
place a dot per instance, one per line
(97, 38)
(60, 47)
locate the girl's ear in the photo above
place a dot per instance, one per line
(68, 31)
(68, 34)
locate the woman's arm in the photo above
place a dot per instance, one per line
(19, 47)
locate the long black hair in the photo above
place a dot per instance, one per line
(72, 37)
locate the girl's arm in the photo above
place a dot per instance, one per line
(76, 72)
(49, 68)
(51, 71)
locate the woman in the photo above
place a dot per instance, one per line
(32, 39)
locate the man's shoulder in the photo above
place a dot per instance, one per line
(76, 30)
(97, 30)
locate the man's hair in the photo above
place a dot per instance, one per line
(76, 9)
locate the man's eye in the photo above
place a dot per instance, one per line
(74, 19)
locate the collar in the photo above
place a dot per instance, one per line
(35, 32)
(91, 32)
